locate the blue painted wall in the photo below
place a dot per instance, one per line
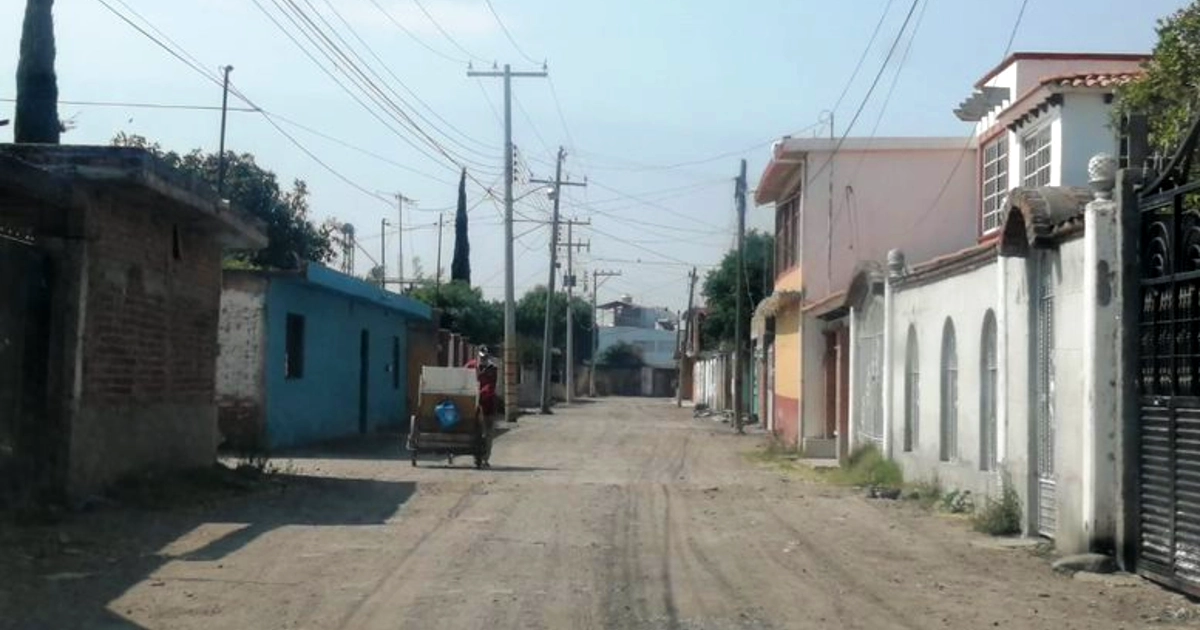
(324, 402)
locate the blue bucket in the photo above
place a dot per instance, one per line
(447, 414)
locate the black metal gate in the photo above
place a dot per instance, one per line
(25, 286)
(1169, 380)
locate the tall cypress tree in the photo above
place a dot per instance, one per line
(37, 84)
(460, 267)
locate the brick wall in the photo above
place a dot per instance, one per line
(151, 329)
(149, 344)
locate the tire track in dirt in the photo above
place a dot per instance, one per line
(438, 529)
(847, 580)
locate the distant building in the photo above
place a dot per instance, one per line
(652, 331)
(312, 355)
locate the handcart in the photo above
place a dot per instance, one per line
(449, 420)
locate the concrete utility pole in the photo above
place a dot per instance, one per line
(400, 201)
(383, 224)
(221, 150)
(437, 276)
(682, 345)
(738, 324)
(569, 283)
(511, 360)
(548, 334)
(596, 275)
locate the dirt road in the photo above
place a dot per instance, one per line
(619, 514)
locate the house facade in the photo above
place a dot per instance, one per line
(996, 364)
(112, 284)
(312, 355)
(838, 203)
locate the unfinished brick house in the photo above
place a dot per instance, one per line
(110, 284)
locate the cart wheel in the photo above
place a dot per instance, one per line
(478, 463)
(450, 458)
(414, 460)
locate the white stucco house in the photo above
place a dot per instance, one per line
(992, 365)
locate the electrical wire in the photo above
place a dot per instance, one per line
(1012, 36)
(414, 37)
(446, 34)
(343, 62)
(169, 106)
(863, 57)
(387, 68)
(183, 57)
(507, 34)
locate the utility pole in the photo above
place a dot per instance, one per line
(548, 333)
(569, 283)
(738, 324)
(400, 201)
(511, 361)
(221, 150)
(437, 282)
(683, 344)
(383, 224)
(596, 275)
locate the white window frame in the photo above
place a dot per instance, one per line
(994, 185)
(1037, 153)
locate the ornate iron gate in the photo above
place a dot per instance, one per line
(1044, 428)
(1168, 480)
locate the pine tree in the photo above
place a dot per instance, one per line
(460, 267)
(37, 85)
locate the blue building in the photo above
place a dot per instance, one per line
(311, 355)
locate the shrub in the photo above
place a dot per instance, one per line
(1002, 516)
(866, 466)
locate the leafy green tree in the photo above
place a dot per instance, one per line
(1169, 91)
(36, 117)
(253, 189)
(531, 314)
(464, 310)
(621, 355)
(460, 267)
(720, 289)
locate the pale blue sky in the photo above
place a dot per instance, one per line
(641, 83)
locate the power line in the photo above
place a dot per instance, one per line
(1012, 36)
(863, 57)
(444, 33)
(387, 68)
(507, 34)
(656, 205)
(414, 37)
(183, 57)
(354, 71)
(168, 106)
(867, 97)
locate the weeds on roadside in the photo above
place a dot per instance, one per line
(1000, 516)
(926, 492)
(866, 466)
(957, 502)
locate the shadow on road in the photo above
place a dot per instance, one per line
(71, 574)
(379, 446)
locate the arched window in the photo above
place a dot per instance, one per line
(948, 446)
(988, 430)
(912, 381)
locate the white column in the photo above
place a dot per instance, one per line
(887, 366)
(1002, 363)
(1100, 477)
(850, 388)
